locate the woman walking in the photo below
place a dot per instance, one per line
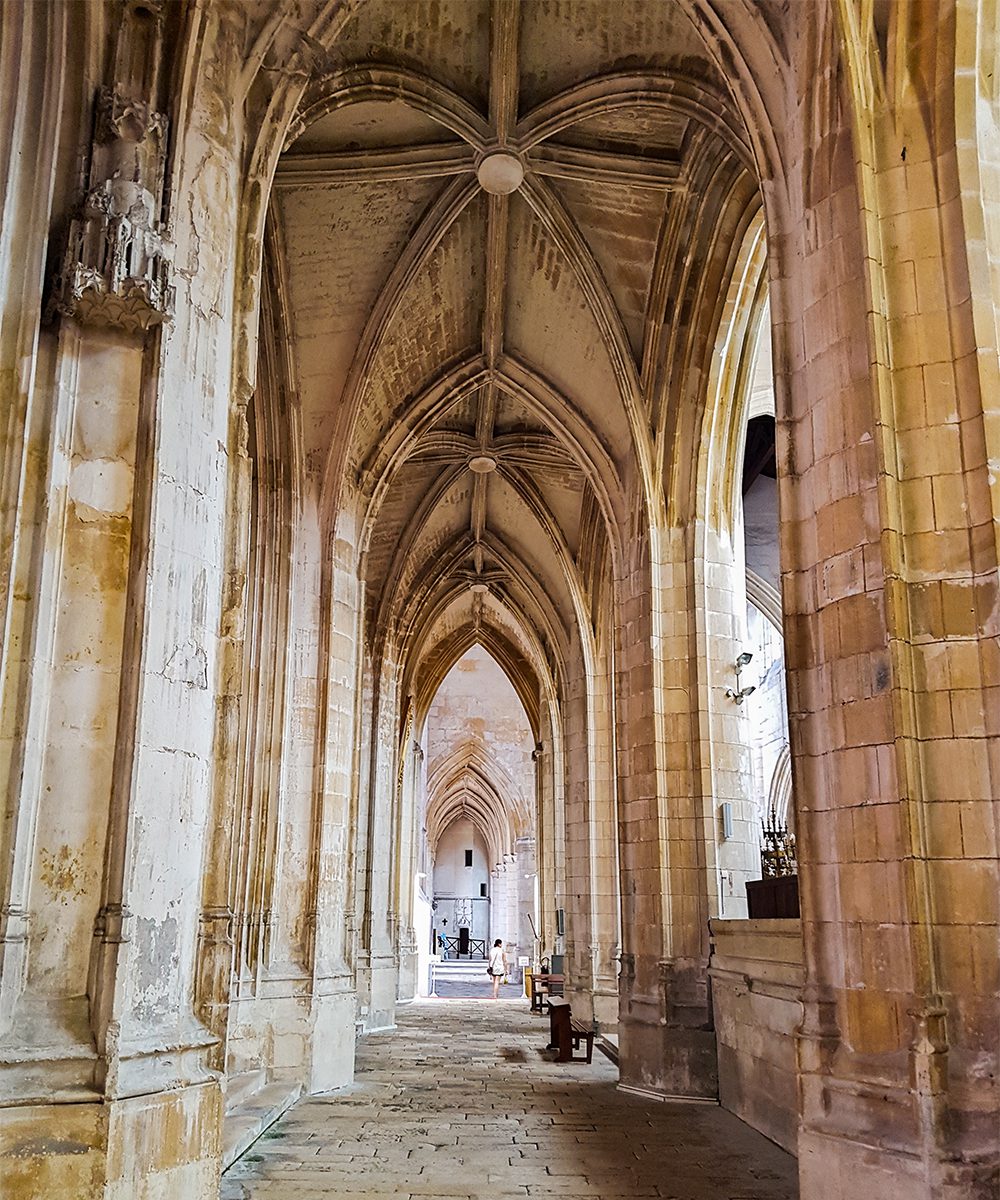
(498, 966)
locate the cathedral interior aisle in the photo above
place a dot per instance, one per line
(499, 475)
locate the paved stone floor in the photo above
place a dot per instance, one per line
(462, 1102)
(473, 989)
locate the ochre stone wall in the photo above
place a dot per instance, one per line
(757, 975)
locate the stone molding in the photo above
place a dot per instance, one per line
(13, 923)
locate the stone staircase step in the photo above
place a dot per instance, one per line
(455, 976)
(243, 1126)
(239, 1088)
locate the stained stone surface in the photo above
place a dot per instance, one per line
(462, 1101)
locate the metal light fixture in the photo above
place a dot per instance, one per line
(741, 693)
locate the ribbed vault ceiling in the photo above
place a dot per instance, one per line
(432, 323)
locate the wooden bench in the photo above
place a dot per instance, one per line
(565, 1034)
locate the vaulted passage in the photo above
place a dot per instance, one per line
(500, 470)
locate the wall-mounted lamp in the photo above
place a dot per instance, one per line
(740, 694)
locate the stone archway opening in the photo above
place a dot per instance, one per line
(476, 809)
(461, 898)
(767, 706)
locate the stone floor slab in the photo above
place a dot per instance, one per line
(462, 1102)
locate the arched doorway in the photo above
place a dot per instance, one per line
(478, 815)
(462, 924)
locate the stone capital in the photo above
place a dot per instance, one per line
(13, 923)
(113, 925)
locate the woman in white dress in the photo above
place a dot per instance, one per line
(498, 966)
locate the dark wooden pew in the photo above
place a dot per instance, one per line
(566, 1034)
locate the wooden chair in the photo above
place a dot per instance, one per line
(543, 987)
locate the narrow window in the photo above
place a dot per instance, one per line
(468, 858)
(482, 889)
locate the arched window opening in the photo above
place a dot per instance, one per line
(767, 704)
